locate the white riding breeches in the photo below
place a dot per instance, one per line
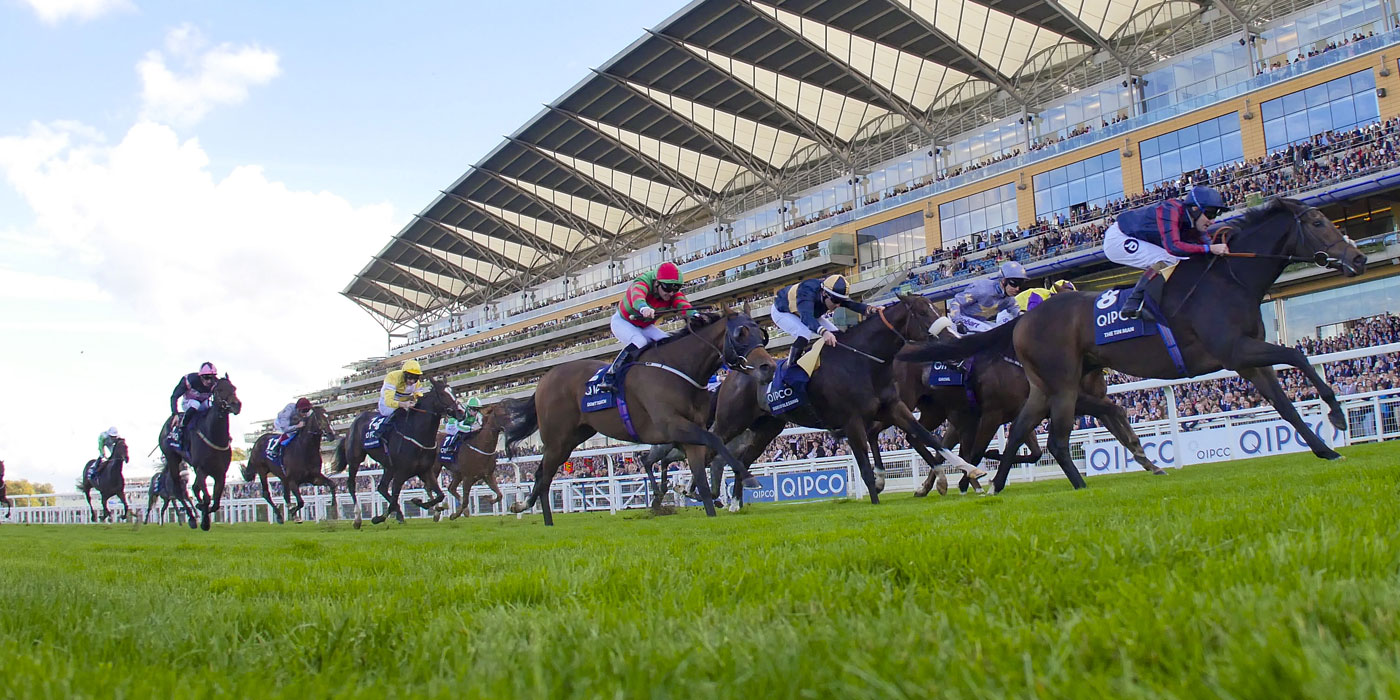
(187, 404)
(1125, 250)
(792, 324)
(640, 336)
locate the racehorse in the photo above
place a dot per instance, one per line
(208, 448)
(665, 394)
(4, 497)
(409, 450)
(169, 490)
(475, 460)
(301, 464)
(107, 480)
(853, 389)
(1222, 329)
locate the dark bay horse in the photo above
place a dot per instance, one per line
(301, 464)
(108, 481)
(169, 490)
(853, 389)
(476, 460)
(665, 393)
(1212, 306)
(208, 444)
(409, 450)
(4, 497)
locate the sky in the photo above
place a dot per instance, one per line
(187, 181)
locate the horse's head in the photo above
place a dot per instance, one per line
(745, 345)
(119, 451)
(319, 423)
(441, 401)
(225, 395)
(1316, 237)
(920, 315)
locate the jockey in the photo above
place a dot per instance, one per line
(190, 396)
(1033, 297)
(987, 302)
(633, 324)
(1155, 238)
(291, 419)
(106, 442)
(803, 310)
(398, 394)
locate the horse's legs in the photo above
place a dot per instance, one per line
(921, 439)
(150, 503)
(695, 458)
(294, 487)
(952, 436)
(860, 448)
(320, 479)
(1252, 352)
(267, 496)
(461, 497)
(1266, 381)
(749, 446)
(1023, 428)
(648, 465)
(385, 489)
(491, 482)
(216, 497)
(92, 512)
(1061, 424)
(1116, 420)
(126, 509)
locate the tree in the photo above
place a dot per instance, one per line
(25, 487)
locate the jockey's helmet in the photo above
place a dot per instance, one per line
(303, 404)
(411, 367)
(1012, 270)
(1062, 286)
(473, 402)
(207, 370)
(668, 276)
(112, 432)
(836, 286)
(1207, 200)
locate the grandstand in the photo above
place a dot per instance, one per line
(907, 145)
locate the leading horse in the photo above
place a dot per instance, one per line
(301, 464)
(409, 450)
(209, 448)
(107, 479)
(1211, 305)
(665, 394)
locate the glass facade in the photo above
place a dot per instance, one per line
(1286, 41)
(1207, 145)
(1093, 108)
(995, 140)
(888, 239)
(1079, 186)
(1305, 316)
(990, 210)
(1336, 104)
(1200, 73)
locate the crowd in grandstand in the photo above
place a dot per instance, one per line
(1333, 45)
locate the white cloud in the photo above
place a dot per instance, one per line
(55, 11)
(201, 78)
(141, 262)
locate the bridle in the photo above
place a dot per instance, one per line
(731, 355)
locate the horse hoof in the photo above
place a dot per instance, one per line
(357, 523)
(437, 516)
(734, 506)
(974, 473)
(942, 485)
(921, 492)
(376, 520)
(1337, 419)
(1159, 472)
(454, 516)
(194, 524)
(1331, 455)
(516, 508)
(879, 484)
(751, 483)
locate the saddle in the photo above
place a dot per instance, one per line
(789, 386)
(595, 398)
(1110, 326)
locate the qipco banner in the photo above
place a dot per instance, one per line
(1221, 444)
(795, 486)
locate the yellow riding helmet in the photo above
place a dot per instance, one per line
(1062, 286)
(835, 285)
(412, 367)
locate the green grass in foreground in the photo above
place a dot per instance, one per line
(1269, 578)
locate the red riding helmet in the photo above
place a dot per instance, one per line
(303, 404)
(667, 273)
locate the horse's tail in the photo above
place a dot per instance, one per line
(247, 468)
(998, 338)
(521, 419)
(341, 461)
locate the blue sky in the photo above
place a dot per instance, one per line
(182, 181)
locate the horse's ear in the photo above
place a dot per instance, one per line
(746, 310)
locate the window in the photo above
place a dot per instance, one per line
(1206, 145)
(888, 239)
(1079, 186)
(1338, 104)
(990, 210)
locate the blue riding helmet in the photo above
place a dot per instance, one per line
(1207, 200)
(1012, 270)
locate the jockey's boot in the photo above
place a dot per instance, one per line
(629, 354)
(1135, 306)
(799, 346)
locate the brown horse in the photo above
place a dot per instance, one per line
(108, 481)
(301, 464)
(665, 394)
(407, 451)
(1223, 328)
(209, 448)
(853, 389)
(4, 497)
(476, 460)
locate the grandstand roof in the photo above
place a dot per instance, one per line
(729, 98)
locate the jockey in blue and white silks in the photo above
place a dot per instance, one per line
(1156, 237)
(989, 302)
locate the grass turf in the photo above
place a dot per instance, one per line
(1267, 578)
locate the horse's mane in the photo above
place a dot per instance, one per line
(1254, 216)
(702, 320)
